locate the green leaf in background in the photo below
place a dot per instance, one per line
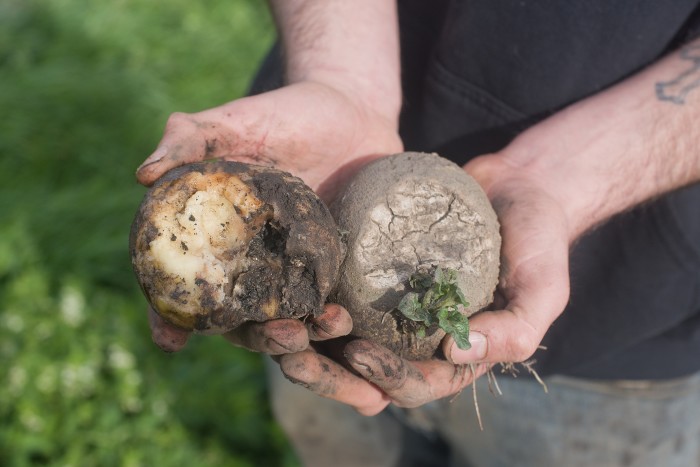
(87, 88)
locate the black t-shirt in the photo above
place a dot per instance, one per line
(476, 73)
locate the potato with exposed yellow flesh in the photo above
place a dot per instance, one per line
(216, 244)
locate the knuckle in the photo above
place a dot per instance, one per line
(379, 365)
(394, 375)
(178, 121)
(521, 346)
(255, 335)
(177, 118)
(322, 329)
(413, 392)
(411, 401)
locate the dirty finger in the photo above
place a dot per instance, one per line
(276, 337)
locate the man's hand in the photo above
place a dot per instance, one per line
(338, 111)
(533, 290)
(557, 180)
(596, 158)
(534, 281)
(312, 130)
(564, 176)
(372, 377)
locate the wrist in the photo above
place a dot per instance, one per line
(382, 101)
(597, 158)
(612, 151)
(352, 47)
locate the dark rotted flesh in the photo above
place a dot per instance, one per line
(292, 261)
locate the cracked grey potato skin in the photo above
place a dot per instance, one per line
(216, 244)
(405, 213)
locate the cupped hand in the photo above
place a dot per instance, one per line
(369, 377)
(311, 130)
(316, 132)
(533, 290)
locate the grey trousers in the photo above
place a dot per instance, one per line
(577, 423)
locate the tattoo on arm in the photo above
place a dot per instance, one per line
(677, 89)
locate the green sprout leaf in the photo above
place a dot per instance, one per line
(436, 298)
(420, 281)
(410, 306)
(444, 277)
(455, 324)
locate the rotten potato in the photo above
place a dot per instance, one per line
(216, 244)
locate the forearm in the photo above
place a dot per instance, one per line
(350, 45)
(605, 154)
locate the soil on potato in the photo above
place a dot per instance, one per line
(285, 270)
(406, 212)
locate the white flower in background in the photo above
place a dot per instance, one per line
(14, 322)
(47, 380)
(31, 420)
(132, 404)
(133, 379)
(159, 408)
(72, 306)
(120, 358)
(17, 377)
(78, 380)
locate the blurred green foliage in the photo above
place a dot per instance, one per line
(85, 90)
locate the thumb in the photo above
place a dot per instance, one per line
(533, 288)
(191, 138)
(513, 334)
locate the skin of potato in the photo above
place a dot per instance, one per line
(306, 236)
(402, 213)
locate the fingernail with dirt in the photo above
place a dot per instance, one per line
(154, 158)
(317, 331)
(362, 368)
(297, 381)
(475, 353)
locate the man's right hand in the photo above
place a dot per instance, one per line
(318, 133)
(312, 130)
(339, 111)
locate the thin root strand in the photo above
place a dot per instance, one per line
(472, 367)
